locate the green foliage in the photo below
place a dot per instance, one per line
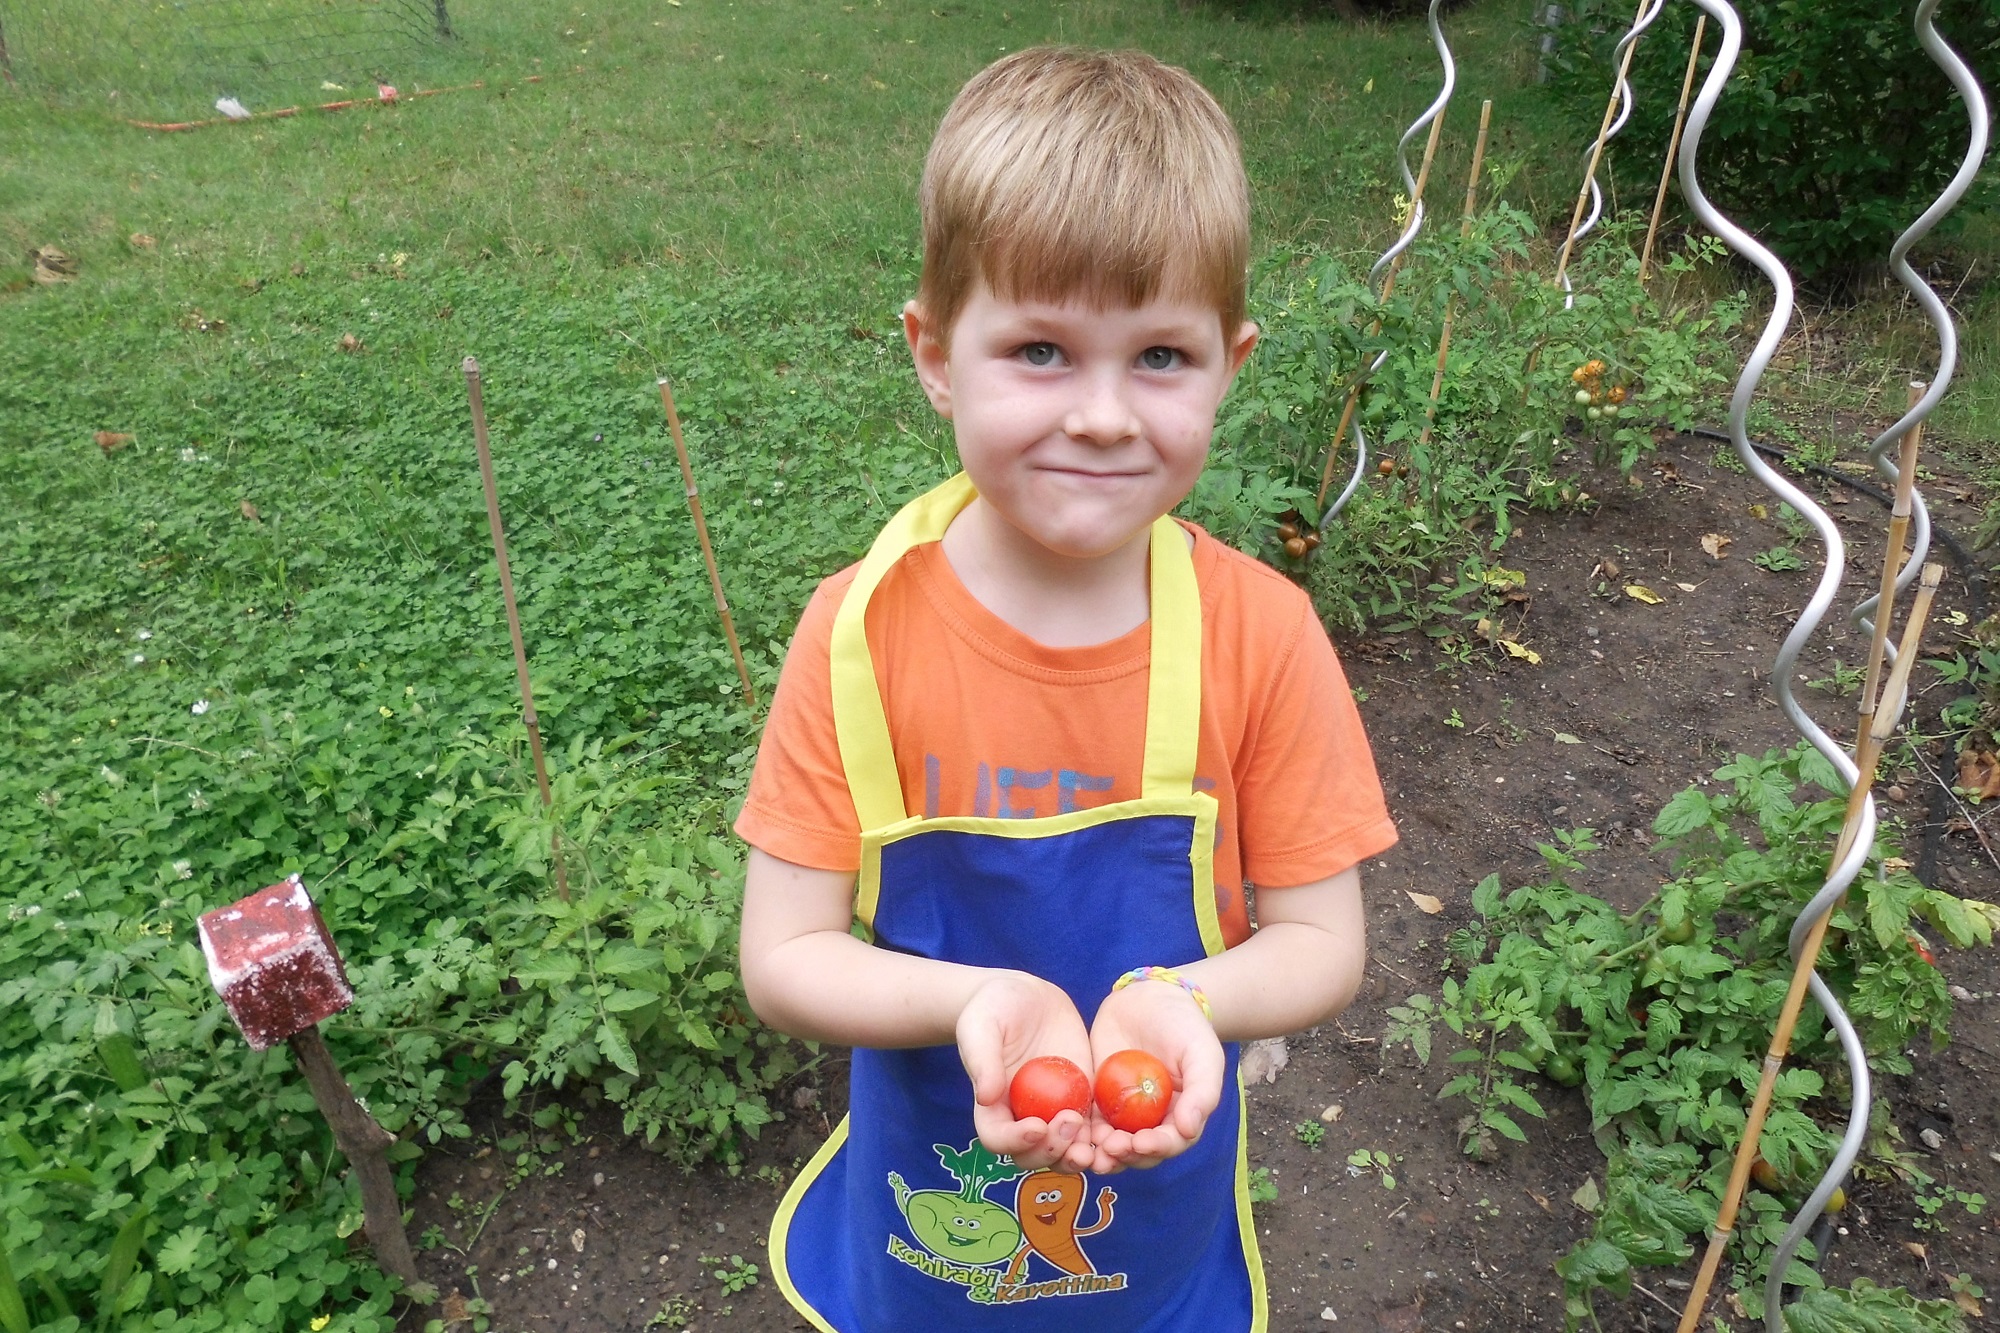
(1834, 134)
(1506, 425)
(1663, 1015)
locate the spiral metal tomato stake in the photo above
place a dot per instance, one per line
(1388, 264)
(1908, 428)
(1857, 835)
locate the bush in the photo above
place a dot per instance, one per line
(1835, 133)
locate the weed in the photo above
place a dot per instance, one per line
(1310, 1132)
(1779, 560)
(1375, 1162)
(1263, 1189)
(733, 1273)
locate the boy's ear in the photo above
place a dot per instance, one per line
(932, 361)
(1240, 347)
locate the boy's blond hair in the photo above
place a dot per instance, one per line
(1104, 176)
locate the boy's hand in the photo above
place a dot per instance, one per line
(1161, 1018)
(1010, 1020)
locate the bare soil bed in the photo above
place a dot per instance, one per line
(599, 1233)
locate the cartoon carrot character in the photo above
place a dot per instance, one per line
(1048, 1202)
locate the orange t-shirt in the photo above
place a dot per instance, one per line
(986, 721)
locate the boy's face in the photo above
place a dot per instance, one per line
(1079, 426)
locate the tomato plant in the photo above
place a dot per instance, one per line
(1046, 1085)
(1133, 1090)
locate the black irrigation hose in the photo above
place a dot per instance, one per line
(1940, 811)
(1968, 569)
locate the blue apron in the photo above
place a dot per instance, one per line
(903, 1222)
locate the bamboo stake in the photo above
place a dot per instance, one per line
(478, 400)
(1451, 301)
(1673, 150)
(1597, 148)
(1868, 750)
(1892, 560)
(1388, 287)
(707, 550)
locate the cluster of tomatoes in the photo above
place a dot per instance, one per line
(1598, 402)
(1296, 536)
(1133, 1090)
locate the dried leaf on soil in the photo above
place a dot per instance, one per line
(249, 511)
(1425, 902)
(1528, 655)
(1685, 587)
(349, 343)
(139, 240)
(1333, 1113)
(1587, 1196)
(1564, 738)
(1639, 592)
(1979, 774)
(1265, 1060)
(1716, 544)
(111, 441)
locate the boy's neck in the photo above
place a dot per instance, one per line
(1058, 601)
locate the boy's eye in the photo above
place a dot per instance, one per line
(1039, 354)
(1159, 358)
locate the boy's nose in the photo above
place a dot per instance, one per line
(1101, 414)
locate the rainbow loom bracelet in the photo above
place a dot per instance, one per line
(1167, 974)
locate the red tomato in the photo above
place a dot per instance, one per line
(1045, 1085)
(1133, 1090)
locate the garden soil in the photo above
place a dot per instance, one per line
(1482, 759)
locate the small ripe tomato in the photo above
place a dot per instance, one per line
(1296, 548)
(1387, 467)
(1287, 531)
(1765, 1175)
(1133, 1090)
(1045, 1085)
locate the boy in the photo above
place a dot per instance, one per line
(1104, 720)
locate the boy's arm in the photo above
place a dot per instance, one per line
(807, 976)
(1301, 967)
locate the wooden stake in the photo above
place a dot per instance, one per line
(1892, 559)
(366, 1145)
(1673, 150)
(1451, 301)
(1597, 148)
(478, 401)
(1868, 752)
(707, 550)
(1388, 287)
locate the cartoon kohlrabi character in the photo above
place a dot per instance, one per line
(962, 1225)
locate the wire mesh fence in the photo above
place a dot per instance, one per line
(178, 57)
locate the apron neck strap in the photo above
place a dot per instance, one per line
(1173, 699)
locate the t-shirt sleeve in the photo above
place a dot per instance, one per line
(1309, 802)
(799, 808)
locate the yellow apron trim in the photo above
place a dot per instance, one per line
(861, 726)
(1246, 1225)
(1201, 852)
(1173, 691)
(781, 1226)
